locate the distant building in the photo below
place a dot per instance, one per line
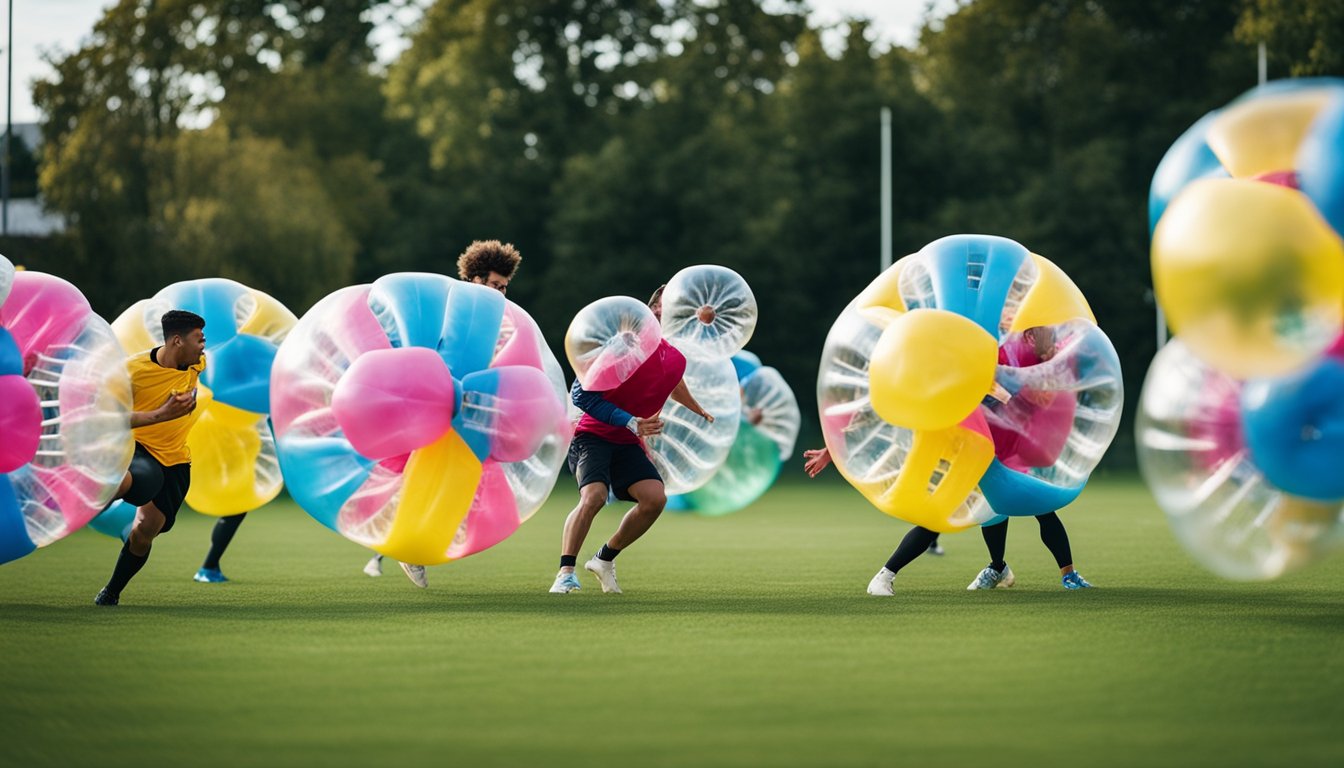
(27, 216)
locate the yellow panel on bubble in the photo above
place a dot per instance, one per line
(270, 319)
(438, 485)
(967, 454)
(1262, 135)
(225, 446)
(130, 330)
(1051, 300)
(885, 291)
(930, 369)
(1249, 275)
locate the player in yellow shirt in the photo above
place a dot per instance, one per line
(163, 390)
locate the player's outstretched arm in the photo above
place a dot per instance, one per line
(817, 459)
(682, 396)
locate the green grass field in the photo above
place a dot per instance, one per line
(744, 640)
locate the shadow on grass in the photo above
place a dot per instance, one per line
(1300, 607)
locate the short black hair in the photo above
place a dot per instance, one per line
(177, 322)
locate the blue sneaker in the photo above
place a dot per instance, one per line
(565, 583)
(210, 576)
(1074, 580)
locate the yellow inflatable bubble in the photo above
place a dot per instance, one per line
(1250, 276)
(1262, 135)
(930, 369)
(440, 481)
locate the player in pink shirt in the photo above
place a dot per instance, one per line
(608, 458)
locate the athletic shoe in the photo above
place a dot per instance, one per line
(416, 573)
(935, 548)
(210, 576)
(605, 571)
(106, 598)
(990, 579)
(880, 586)
(565, 582)
(374, 567)
(1074, 580)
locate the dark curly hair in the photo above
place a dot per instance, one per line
(485, 256)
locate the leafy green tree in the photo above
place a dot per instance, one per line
(1303, 38)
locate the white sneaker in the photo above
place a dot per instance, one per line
(992, 579)
(416, 573)
(880, 586)
(565, 582)
(605, 571)
(374, 567)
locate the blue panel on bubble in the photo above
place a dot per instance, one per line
(474, 425)
(1294, 427)
(410, 306)
(322, 473)
(745, 363)
(1015, 494)
(115, 521)
(213, 299)
(470, 327)
(239, 372)
(14, 541)
(972, 275)
(1188, 159)
(11, 360)
(1320, 163)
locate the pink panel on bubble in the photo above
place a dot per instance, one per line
(523, 346)
(528, 411)
(350, 325)
(1336, 350)
(1217, 426)
(391, 401)
(613, 368)
(43, 311)
(395, 464)
(1287, 179)
(75, 493)
(493, 516)
(20, 422)
(382, 484)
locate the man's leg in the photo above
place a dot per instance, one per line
(134, 553)
(997, 573)
(592, 497)
(220, 536)
(650, 499)
(915, 543)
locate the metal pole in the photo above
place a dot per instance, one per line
(9, 122)
(1264, 65)
(886, 188)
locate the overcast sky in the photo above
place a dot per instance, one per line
(60, 24)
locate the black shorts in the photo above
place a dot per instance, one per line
(617, 465)
(153, 482)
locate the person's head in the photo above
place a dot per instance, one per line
(184, 335)
(656, 302)
(1042, 340)
(489, 262)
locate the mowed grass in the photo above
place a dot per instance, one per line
(743, 640)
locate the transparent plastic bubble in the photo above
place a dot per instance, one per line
(76, 376)
(690, 449)
(708, 312)
(6, 278)
(609, 339)
(1193, 455)
(234, 466)
(922, 447)
(1245, 211)
(765, 439)
(467, 488)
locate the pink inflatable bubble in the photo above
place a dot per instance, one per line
(20, 422)
(393, 401)
(609, 339)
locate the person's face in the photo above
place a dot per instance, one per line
(657, 307)
(494, 280)
(1042, 340)
(192, 344)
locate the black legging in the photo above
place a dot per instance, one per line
(915, 543)
(220, 536)
(1053, 535)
